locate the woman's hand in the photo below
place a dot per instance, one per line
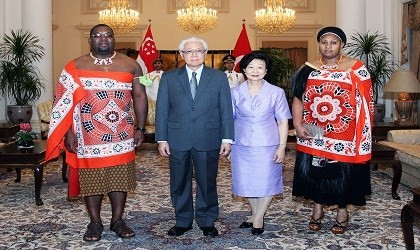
(302, 132)
(280, 154)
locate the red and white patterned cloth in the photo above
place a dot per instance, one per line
(97, 105)
(341, 103)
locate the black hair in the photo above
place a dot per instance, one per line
(332, 30)
(258, 54)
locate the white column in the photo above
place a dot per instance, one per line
(351, 16)
(37, 18)
(9, 19)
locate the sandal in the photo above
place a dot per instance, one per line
(339, 227)
(121, 229)
(315, 224)
(93, 232)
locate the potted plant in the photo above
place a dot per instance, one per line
(282, 69)
(25, 136)
(374, 50)
(20, 80)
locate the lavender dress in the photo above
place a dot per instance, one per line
(254, 173)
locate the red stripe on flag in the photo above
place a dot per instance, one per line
(242, 47)
(147, 52)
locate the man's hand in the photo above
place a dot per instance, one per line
(70, 141)
(163, 148)
(138, 138)
(225, 149)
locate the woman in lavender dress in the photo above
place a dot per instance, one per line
(261, 114)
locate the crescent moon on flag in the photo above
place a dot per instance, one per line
(146, 40)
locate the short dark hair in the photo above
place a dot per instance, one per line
(258, 54)
(100, 25)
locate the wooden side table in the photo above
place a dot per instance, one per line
(382, 154)
(380, 129)
(7, 131)
(408, 212)
(34, 158)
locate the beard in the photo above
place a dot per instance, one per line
(104, 49)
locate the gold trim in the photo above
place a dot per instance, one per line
(91, 7)
(219, 5)
(297, 5)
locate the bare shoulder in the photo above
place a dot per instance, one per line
(83, 61)
(347, 62)
(315, 63)
(128, 63)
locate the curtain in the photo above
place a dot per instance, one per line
(298, 55)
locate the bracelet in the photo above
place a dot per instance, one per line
(143, 130)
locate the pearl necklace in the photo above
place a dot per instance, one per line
(103, 61)
(330, 67)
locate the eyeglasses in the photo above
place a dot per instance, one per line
(105, 35)
(198, 52)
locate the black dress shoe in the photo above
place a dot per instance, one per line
(256, 231)
(178, 231)
(246, 224)
(210, 231)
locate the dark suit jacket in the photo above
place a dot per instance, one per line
(201, 123)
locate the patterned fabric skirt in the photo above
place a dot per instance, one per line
(337, 183)
(101, 181)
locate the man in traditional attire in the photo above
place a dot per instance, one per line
(234, 78)
(92, 113)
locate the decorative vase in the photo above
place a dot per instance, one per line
(19, 114)
(378, 112)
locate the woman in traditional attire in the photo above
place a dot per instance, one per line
(332, 114)
(261, 114)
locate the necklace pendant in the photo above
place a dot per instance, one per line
(329, 67)
(103, 61)
(107, 61)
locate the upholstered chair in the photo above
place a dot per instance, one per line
(44, 113)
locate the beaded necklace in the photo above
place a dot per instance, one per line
(103, 61)
(330, 67)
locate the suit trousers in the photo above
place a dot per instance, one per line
(205, 167)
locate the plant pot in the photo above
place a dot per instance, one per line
(378, 112)
(19, 114)
(26, 144)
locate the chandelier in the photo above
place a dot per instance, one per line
(275, 18)
(196, 18)
(119, 17)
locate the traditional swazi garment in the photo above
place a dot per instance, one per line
(339, 102)
(97, 105)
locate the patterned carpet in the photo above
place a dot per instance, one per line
(60, 224)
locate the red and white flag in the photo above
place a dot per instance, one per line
(242, 47)
(147, 52)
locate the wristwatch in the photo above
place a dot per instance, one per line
(141, 129)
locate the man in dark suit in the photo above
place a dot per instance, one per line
(194, 126)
